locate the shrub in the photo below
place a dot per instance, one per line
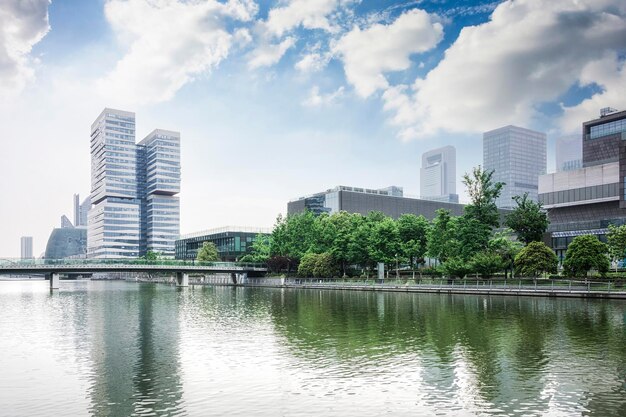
(455, 267)
(535, 259)
(486, 263)
(586, 252)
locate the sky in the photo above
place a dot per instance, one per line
(280, 99)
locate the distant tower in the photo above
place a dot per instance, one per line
(517, 156)
(76, 210)
(26, 246)
(438, 175)
(569, 153)
(66, 223)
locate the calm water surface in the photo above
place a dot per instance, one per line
(121, 349)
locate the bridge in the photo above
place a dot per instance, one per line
(53, 268)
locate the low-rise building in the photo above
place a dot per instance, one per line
(366, 200)
(232, 242)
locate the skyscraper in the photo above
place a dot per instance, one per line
(26, 247)
(438, 175)
(129, 182)
(517, 156)
(569, 153)
(160, 160)
(81, 210)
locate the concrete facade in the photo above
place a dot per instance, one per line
(438, 175)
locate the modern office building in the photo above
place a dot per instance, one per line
(365, 200)
(81, 210)
(232, 242)
(26, 247)
(160, 161)
(518, 157)
(438, 175)
(587, 200)
(569, 153)
(120, 191)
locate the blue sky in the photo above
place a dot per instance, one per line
(275, 100)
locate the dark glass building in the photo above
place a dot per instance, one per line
(232, 242)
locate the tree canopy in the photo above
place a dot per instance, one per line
(208, 253)
(527, 219)
(585, 253)
(535, 259)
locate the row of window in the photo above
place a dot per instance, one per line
(606, 129)
(580, 194)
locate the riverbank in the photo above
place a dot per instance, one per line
(521, 287)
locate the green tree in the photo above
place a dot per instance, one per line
(527, 219)
(472, 237)
(152, 256)
(342, 227)
(486, 263)
(413, 233)
(455, 267)
(259, 250)
(325, 266)
(307, 265)
(384, 242)
(617, 243)
(441, 236)
(535, 259)
(483, 193)
(358, 246)
(506, 247)
(585, 252)
(208, 253)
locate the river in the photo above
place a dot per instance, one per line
(120, 349)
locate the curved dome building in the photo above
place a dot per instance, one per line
(66, 242)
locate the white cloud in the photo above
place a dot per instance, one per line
(367, 54)
(267, 54)
(610, 74)
(496, 73)
(311, 14)
(315, 99)
(169, 43)
(22, 25)
(312, 62)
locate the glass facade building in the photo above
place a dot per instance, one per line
(126, 178)
(232, 242)
(518, 157)
(438, 175)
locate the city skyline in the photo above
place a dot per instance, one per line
(277, 100)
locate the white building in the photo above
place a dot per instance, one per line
(518, 157)
(438, 175)
(120, 169)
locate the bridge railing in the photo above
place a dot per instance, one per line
(12, 263)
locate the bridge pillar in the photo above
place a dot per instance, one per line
(182, 279)
(54, 281)
(243, 278)
(233, 278)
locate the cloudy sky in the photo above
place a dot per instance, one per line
(275, 100)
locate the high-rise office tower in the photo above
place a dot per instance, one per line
(26, 247)
(517, 156)
(438, 175)
(127, 182)
(569, 153)
(159, 156)
(83, 212)
(76, 201)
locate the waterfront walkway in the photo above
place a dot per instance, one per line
(528, 287)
